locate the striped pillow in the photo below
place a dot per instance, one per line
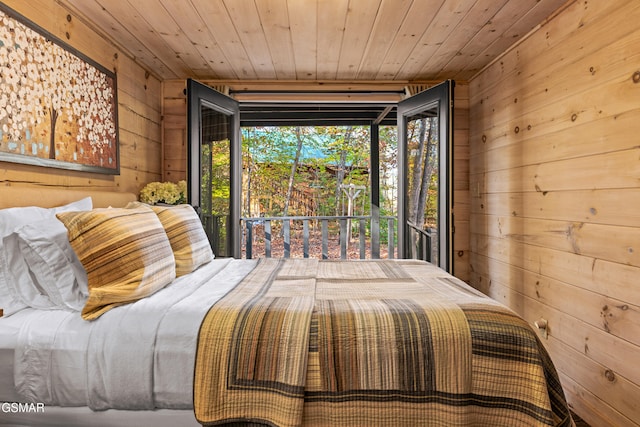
(125, 252)
(190, 244)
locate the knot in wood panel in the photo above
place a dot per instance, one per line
(572, 233)
(609, 375)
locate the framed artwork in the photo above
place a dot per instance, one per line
(58, 108)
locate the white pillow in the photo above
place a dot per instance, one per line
(19, 277)
(9, 301)
(54, 266)
(10, 219)
(20, 282)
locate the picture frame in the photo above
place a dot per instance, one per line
(58, 107)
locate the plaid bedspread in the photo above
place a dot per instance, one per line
(366, 343)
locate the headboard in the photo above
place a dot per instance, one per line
(47, 197)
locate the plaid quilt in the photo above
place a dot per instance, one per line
(369, 343)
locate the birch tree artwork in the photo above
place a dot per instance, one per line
(54, 104)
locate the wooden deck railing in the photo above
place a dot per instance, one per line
(421, 243)
(301, 234)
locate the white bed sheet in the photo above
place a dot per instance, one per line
(138, 356)
(9, 328)
(84, 417)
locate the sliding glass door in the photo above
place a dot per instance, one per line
(425, 160)
(214, 166)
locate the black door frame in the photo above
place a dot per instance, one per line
(198, 95)
(440, 96)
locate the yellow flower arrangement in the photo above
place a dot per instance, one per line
(164, 192)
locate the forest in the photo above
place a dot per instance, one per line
(309, 173)
(305, 171)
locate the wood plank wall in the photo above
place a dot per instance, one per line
(175, 155)
(174, 130)
(139, 109)
(555, 197)
(461, 195)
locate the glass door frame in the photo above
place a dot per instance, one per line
(441, 97)
(199, 95)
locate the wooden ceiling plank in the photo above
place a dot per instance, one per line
(129, 38)
(444, 23)
(470, 26)
(222, 28)
(358, 27)
(165, 28)
(133, 21)
(516, 28)
(332, 15)
(493, 27)
(309, 39)
(275, 24)
(304, 33)
(197, 31)
(248, 27)
(388, 21)
(411, 31)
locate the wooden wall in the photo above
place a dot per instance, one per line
(174, 129)
(555, 197)
(461, 196)
(139, 109)
(175, 155)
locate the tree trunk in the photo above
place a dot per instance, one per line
(426, 174)
(418, 166)
(341, 169)
(292, 175)
(249, 176)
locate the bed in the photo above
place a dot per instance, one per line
(200, 340)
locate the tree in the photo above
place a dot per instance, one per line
(423, 147)
(388, 169)
(341, 166)
(294, 167)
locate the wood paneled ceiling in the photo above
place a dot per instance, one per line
(315, 40)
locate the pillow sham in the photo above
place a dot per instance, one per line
(125, 252)
(54, 266)
(20, 287)
(190, 244)
(17, 289)
(10, 219)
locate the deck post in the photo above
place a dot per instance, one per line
(286, 229)
(267, 239)
(363, 238)
(305, 238)
(249, 240)
(343, 239)
(325, 239)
